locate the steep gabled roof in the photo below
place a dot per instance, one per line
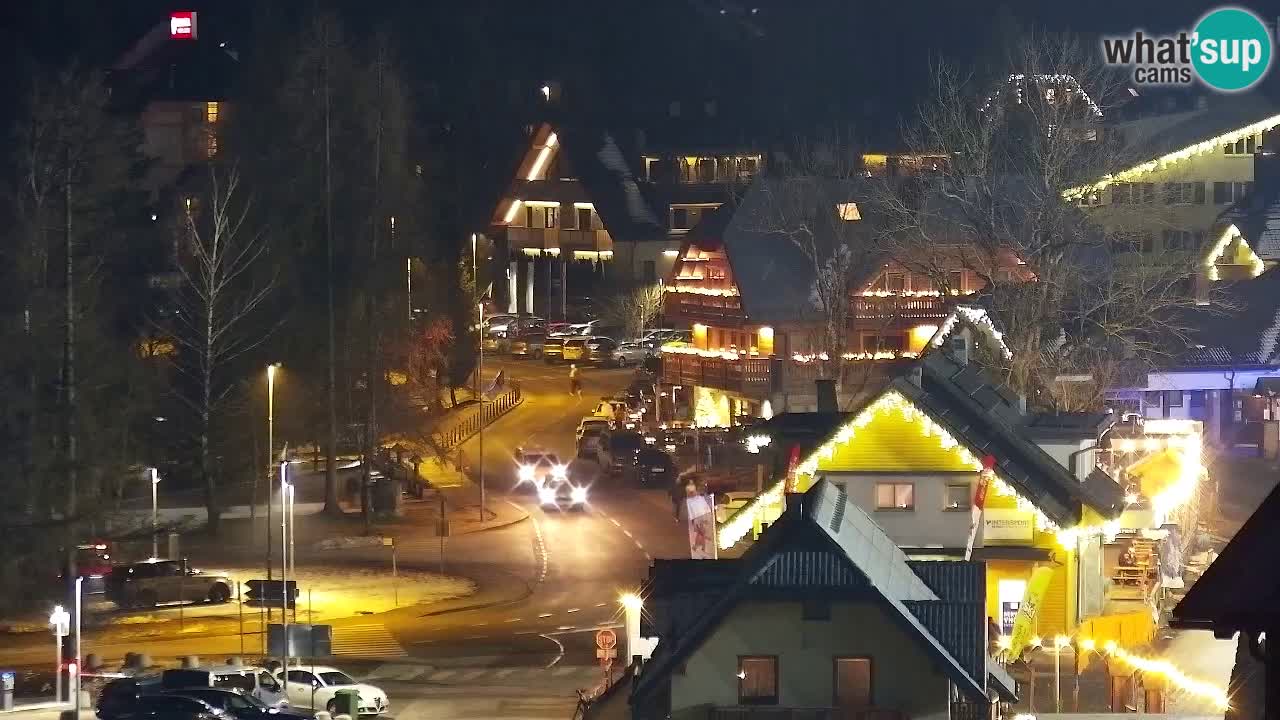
(1246, 333)
(824, 541)
(1239, 591)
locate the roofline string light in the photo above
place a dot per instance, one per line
(1177, 678)
(1230, 233)
(979, 318)
(1159, 163)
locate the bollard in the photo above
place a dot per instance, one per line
(190, 662)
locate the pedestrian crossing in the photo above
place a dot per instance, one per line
(370, 640)
(566, 675)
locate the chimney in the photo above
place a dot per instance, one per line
(958, 344)
(826, 389)
(1266, 166)
(915, 375)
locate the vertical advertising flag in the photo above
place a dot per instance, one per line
(979, 503)
(792, 462)
(1024, 625)
(702, 527)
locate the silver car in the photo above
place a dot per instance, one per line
(632, 353)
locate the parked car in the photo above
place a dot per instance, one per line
(145, 584)
(238, 705)
(529, 345)
(317, 687)
(623, 447)
(594, 443)
(127, 703)
(600, 349)
(251, 680)
(591, 423)
(575, 349)
(654, 467)
(632, 353)
(553, 348)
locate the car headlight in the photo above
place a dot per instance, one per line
(526, 473)
(578, 495)
(546, 495)
(560, 471)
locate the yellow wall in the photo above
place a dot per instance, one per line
(891, 443)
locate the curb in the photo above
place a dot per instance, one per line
(524, 515)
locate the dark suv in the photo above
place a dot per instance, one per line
(145, 584)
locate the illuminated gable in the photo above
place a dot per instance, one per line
(1231, 249)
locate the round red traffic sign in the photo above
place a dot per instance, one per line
(606, 639)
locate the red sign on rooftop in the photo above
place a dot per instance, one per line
(182, 25)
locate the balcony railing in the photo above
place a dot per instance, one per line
(760, 712)
(752, 377)
(521, 238)
(922, 307)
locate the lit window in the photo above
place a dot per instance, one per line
(211, 148)
(848, 211)
(853, 683)
(958, 496)
(758, 680)
(895, 496)
(211, 112)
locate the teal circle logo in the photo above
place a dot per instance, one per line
(1231, 49)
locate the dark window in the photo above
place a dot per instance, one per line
(852, 683)
(1148, 192)
(956, 279)
(1197, 398)
(1199, 193)
(650, 272)
(237, 681)
(1148, 242)
(897, 282)
(1221, 193)
(1173, 398)
(300, 676)
(584, 218)
(1151, 399)
(679, 218)
(528, 216)
(816, 609)
(758, 680)
(552, 217)
(1122, 194)
(958, 496)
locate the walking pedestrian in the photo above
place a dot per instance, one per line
(575, 385)
(678, 495)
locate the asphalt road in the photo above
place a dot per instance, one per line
(548, 583)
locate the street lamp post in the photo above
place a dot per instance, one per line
(79, 613)
(155, 514)
(285, 491)
(479, 386)
(60, 619)
(271, 429)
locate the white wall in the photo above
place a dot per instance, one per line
(904, 677)
(1061, 450)
(929, 524)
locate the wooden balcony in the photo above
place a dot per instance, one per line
(521, 238)
(749, 377)
(922, 307)
(769, 712)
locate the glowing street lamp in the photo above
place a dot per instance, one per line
(60, 621)
(155, 514)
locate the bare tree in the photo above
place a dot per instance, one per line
(815, 199)
(222, 287)
(1018, 155)
(635, 310)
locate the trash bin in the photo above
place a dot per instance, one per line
(7, 683)
(347, 703)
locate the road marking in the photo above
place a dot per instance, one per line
(572, 610)
(601, 604)
(628, 533)
(545, 615)
(566, 627)
(527, 632)
(475, 637)
(615, 522)
(371, 640)
(442, 675)
(540, 544)
(512, 620)
(559, 650)
(505, 672)
(471, 674)
(480, 624)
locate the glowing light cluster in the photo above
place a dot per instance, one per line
(1256, 266)
(737, 526)
(908, 293)
(1057, 79)
(755, 442)
(877, 355)
(1070, 536)
(713, 292)
(721, 354)
(1023, 503)
(1174, 676)
(979, 318)
(1205, 146)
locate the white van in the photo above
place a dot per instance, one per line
(249, 679)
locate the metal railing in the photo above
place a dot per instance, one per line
(490, 410)
(749, 376)
(919, 307)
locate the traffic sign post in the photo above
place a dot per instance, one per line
(606, 651)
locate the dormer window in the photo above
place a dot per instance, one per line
(848, 211)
